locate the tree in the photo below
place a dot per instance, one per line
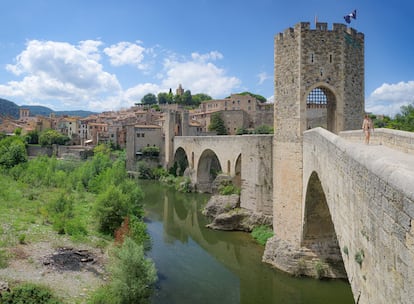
(133, 275)
(163, 98)
(404, 120)
(51, 137)
(187, 98)
(217, 124)
(199, 98)
(149, 99)
(12, 151)
(32, 137)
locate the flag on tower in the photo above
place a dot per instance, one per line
(349, 16)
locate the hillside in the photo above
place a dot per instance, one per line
(9, 108)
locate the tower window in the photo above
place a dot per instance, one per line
(312, 58)
(316, 99)
(330, 58)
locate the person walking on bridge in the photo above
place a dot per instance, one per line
(367, 127)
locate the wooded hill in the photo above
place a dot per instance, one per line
(10, 109)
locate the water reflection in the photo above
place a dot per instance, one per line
(200, 265)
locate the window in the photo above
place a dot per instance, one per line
(316, 99)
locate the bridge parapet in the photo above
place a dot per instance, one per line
(370, 195)
(395, 139)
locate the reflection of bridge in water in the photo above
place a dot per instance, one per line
(259, 283)
(357, 200)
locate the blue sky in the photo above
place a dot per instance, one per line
(106, 55)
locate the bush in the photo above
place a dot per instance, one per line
(262, 233)
(228, 189)
(12, 152)
(132, 277)
(29, 293)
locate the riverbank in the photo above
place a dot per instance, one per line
(56, 262)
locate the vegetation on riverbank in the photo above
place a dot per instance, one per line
(86, 201)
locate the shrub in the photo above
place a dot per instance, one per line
(133, 275)
(320, 268)
(29, 293)
(262, 233)
(228, 189)
(359, 257)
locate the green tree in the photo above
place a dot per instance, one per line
(199, 98)
(187, 98)
(12, 151)
(149, 99)
(132, 274)
(164, 98)
(217, 124)
(32, 137)
(404, 120)
(51, 137)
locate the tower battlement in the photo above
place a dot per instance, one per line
(319, 27)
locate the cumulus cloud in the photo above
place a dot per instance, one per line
(388, 98)
(73, 76)
(60, 71)
(126, 53)
(199, 75)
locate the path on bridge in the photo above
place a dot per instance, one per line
(397, 165)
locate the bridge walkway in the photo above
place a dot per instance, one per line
(385, 161)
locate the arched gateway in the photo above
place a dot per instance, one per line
(319, 82)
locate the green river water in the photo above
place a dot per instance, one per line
(198, 265)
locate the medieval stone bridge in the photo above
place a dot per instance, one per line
(247, 159)
(357, 206)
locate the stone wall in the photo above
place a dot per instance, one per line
(371, 201)
(253, 151)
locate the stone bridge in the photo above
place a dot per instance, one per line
(247, 159)
(357, 210)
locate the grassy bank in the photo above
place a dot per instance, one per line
(47, 203)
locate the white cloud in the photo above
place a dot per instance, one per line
(135, 94)
(126, 53)
(388, 98)
(73, 77)
(62, 72)
(213, 55)
(263, 77)
(199, 75)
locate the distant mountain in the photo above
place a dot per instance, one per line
(9, 108)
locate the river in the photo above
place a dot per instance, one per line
(198, 265)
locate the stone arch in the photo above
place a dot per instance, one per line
(180, 161)
(321, 107)
(318, 229)
(207, 170)
(237, 172)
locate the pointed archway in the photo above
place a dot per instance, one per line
(318, 229)
(321, 109)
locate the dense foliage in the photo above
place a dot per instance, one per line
(28, 293)
(51, 137)
(262, 233)
(402, 121)
(81, 199)
(217, 124)
(12, 151)
(132, 274)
